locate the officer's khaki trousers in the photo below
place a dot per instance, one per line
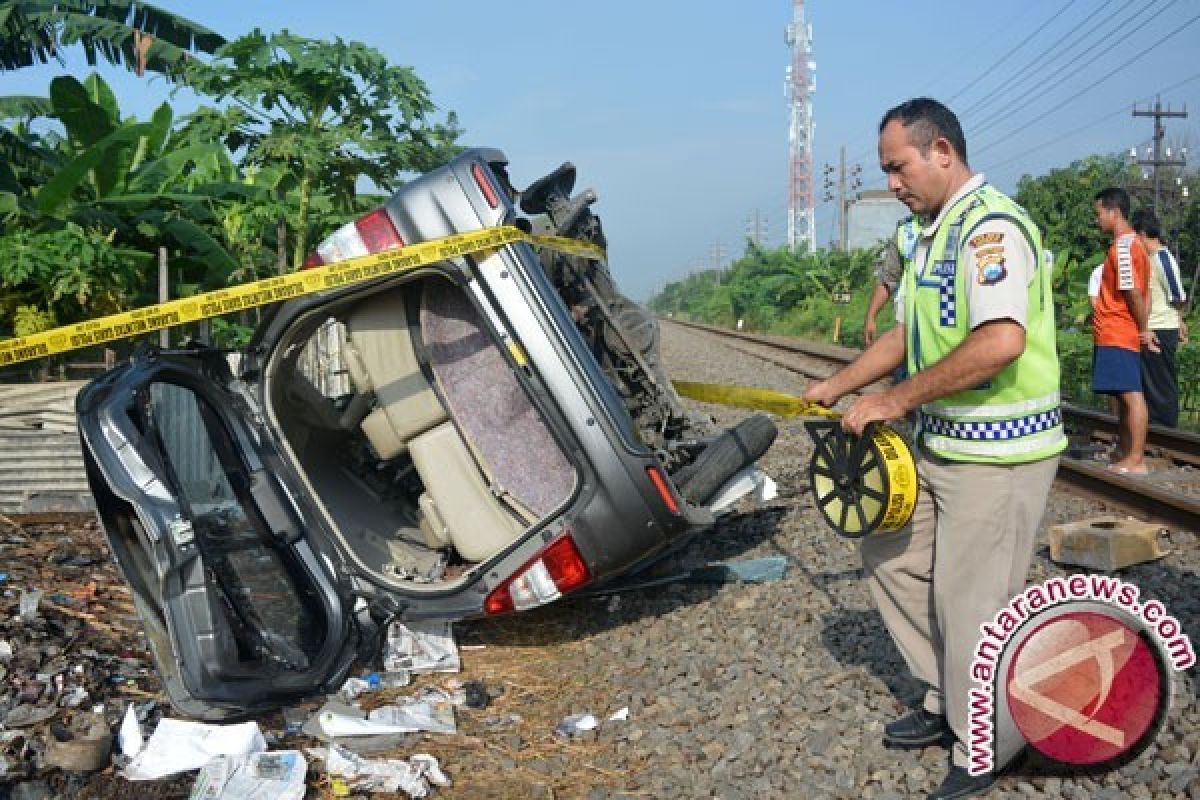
(964, 556)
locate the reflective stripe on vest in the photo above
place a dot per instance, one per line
(1043, 403)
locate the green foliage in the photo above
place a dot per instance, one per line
(774, 289)
(29, 320)
(24, 106)
(65, 274)
(137, 185)
(329, 113)
(228, 333)
(138, 35)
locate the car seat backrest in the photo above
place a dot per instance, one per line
(380, 359)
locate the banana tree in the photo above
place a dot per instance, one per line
(137, 35)
(128, 185)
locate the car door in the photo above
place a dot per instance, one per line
(240, 603)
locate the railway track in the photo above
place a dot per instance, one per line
(1134, 495)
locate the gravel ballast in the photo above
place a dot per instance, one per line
(772, 690)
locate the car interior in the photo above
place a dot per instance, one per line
(423, 451)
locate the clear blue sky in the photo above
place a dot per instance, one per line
(674, 111)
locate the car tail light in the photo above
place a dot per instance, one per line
(485, 185)
(557, 569)
(664, 490)
(377, 231)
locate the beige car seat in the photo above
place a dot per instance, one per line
(458, 508)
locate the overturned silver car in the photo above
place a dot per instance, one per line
(481, 436)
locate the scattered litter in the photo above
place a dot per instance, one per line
(417, 714)
(129, 737)
(378, 744)
(619, 716)
(74, 697)
(424, 646)
(352, 688)
(421, 715)
(389, 680)
(293, 720)
(413, 776)
(476, 695)
(576, 724)
(748, 479)
(179, 745)
(277, 775)
(28, 604)
(25, 715)
(6, 651)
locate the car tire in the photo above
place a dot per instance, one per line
(740, 445)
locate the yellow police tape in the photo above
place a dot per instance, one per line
(273, 290)
(860, 485)
(781, 403)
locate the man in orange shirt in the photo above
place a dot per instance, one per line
(1120, 327)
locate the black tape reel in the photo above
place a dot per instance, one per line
(861, 484)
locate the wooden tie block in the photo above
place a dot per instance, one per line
(1105, 543)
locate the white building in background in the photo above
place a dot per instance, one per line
(872, 218)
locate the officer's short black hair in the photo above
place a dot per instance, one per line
(1114, 197)
(926, 119)
(1146, 223)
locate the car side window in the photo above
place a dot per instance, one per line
(270, 613)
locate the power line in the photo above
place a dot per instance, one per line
(1024, 41)
(1086, 126)
(863, 154)
(1059, 106)
(1052, 82)
(1058, 46)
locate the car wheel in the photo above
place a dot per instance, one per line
(735, 448)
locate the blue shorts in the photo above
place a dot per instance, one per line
(1116, 370)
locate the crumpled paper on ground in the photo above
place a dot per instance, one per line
(179, 745)
(426, 712)
(413, 776)
(421, 646)
(277, 775)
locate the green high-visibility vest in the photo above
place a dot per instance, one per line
(1015, 417)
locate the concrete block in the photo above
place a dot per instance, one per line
(1105, 543)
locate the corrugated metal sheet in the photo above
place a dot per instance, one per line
(41, 466)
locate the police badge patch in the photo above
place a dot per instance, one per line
(989, 263)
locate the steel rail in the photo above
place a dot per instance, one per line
(1132, 494)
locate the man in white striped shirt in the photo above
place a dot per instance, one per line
(1160, 382)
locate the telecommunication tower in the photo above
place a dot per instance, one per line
(799, 89)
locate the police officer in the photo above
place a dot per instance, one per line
(888, 269)
(978, 339)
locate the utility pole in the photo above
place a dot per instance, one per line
(718, 255)
(756, 228)
(848, 180)
(1158, 158)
